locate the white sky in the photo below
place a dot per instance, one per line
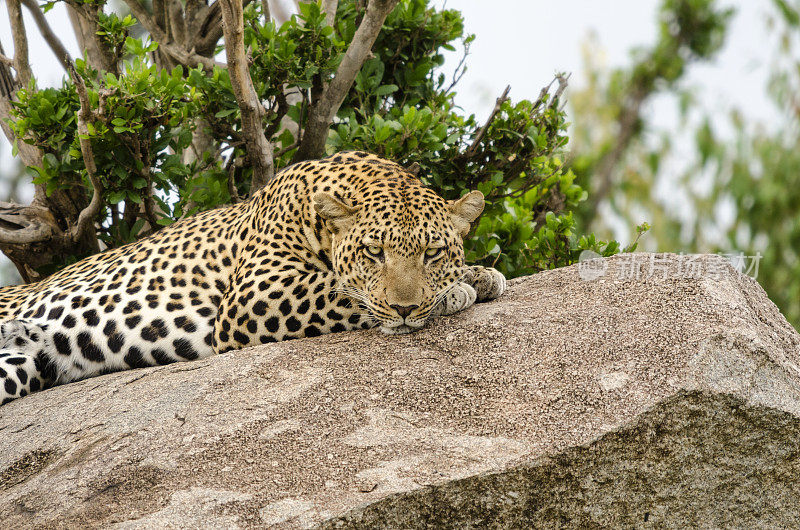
(523, 43)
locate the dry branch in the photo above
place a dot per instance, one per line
(177, 52)
(327, 105)
(21, 64)
(88, 214)
(329, 8)
(604, 174)
(55, 44)
(85, 18)
(259, 149)
(19, 227)
(482, 132)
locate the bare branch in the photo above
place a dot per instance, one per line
(259, 149)
(86, 23)
(29, 154)
(604, 174)
(325, 108)
(23, 225)
(8, 61)
(286, 149)
(177, 52)
(55, 44)
(177, 21)
(210, 29)
(482, 132)
(329, 8)
(21, 64)
(232, 181)
(88, 214)
(461, 68)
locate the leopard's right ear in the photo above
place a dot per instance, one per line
(339, 216)
(465, 210)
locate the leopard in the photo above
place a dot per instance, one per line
(351, 241)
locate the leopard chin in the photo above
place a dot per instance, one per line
(400, 329)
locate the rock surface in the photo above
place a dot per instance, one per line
(650, 390)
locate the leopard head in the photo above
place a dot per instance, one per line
(398, 248)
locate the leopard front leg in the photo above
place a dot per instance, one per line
(489, 283)
(480, 284)
(284, 306)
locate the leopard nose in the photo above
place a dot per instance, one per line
(403, 310)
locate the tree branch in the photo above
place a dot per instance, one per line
(85, 21)
(604, 175)
(88, 214)
(209, 31)
(259, 149)
(325, 108)
(55, 44)
(329, 8)
(21, 64)
(188, 58)
(482, 132)
(23, 225)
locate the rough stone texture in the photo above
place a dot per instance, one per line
(648, 391)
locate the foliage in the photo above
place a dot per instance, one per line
(756, 175)
(610, 133)
(400, 106)
(735, 193)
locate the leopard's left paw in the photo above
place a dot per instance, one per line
(459, 297)
(489, 283)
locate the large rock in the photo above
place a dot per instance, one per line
(650, 390)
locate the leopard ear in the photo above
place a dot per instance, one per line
(465, 210)
(338, 215)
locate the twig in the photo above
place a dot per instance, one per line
(56, 46)
(460, 70)
(232, 180)
(21, 64)
(143, 155)
(286, 149)
(259, 149)
(327, 105)
(482, 132)
(84, 115)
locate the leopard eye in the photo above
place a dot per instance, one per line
(374, 251)
(433, 253)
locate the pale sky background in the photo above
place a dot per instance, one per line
(524, 42)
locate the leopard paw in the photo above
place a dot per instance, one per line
(459, 297)
(489, 283)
